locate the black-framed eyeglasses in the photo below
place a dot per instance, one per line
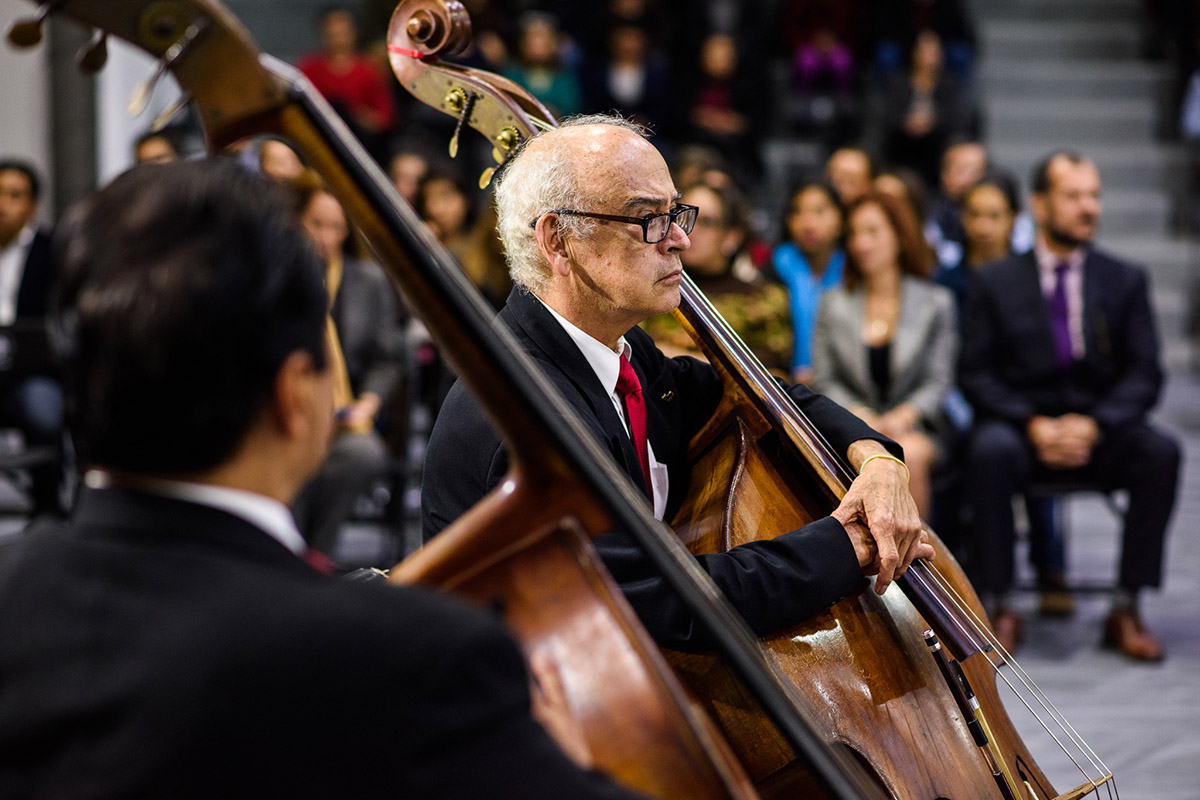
(655, 227)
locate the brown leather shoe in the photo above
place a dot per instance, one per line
(1006, 625)
(1126, 633)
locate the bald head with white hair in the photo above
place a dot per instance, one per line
(601, 275)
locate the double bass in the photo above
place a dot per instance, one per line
(760, 467)
(561, 490)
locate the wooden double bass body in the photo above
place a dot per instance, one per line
(861, 670)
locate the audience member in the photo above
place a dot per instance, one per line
(899, 22)
(156, 147)
(30, 393)
(989, 210)
(483, 259)
(366, 339)
(905, 185)
(821, 38)
(632, 77)
(407, 168)
(749, 25)
(809, 263)
(352, 83)
(718, 263)
(539, 66)
(443, 202)
(963, 165)
(923, 110)
(850, 171)
(989, 207)
(698, 163)
(278, 160)
(171, 641)
(1060, 361)
(885, 342)
(725, 111)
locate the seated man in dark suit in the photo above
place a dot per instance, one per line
(30, 395)
(592, 231)
(171, 640)
(1060, 361)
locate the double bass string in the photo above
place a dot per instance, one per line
(1032, 693)
(959, 614)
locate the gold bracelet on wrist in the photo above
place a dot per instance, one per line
(885, 456)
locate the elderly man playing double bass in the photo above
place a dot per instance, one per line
(589, 219)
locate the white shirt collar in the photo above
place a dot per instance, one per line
(1047, 261)
(24, 238)
(605, 362)
(270, 516)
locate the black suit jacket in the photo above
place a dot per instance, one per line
(157, 648)
(37, 279)
(364, 313)
(1008, 368)
(772, 583)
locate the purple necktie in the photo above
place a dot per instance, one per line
(1060, 322)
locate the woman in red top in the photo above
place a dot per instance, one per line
(351, 82)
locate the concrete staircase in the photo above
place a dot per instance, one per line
(1068, 73)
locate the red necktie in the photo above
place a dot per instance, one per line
(319, 561)
(635, 411)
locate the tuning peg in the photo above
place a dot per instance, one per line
(463, 103)
(485, 178)
(28, 32)
(92, 57)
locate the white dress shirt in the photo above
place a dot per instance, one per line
(1047, 262)
(606, 363)
(270, 516)
(12, 268)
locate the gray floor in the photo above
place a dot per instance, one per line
(1142, 720)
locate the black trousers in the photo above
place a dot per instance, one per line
(1001, 462)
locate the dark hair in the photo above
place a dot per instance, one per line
(1001, 182)
(26, 169)
(183, 289)
(171, 136)
(734, 206)
(440, 171)
(872, 161)
(302, 190)
(329, 9)
(261, 142)
(821, 185)
(915, 190)
(916, 257)
(1041, 173)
